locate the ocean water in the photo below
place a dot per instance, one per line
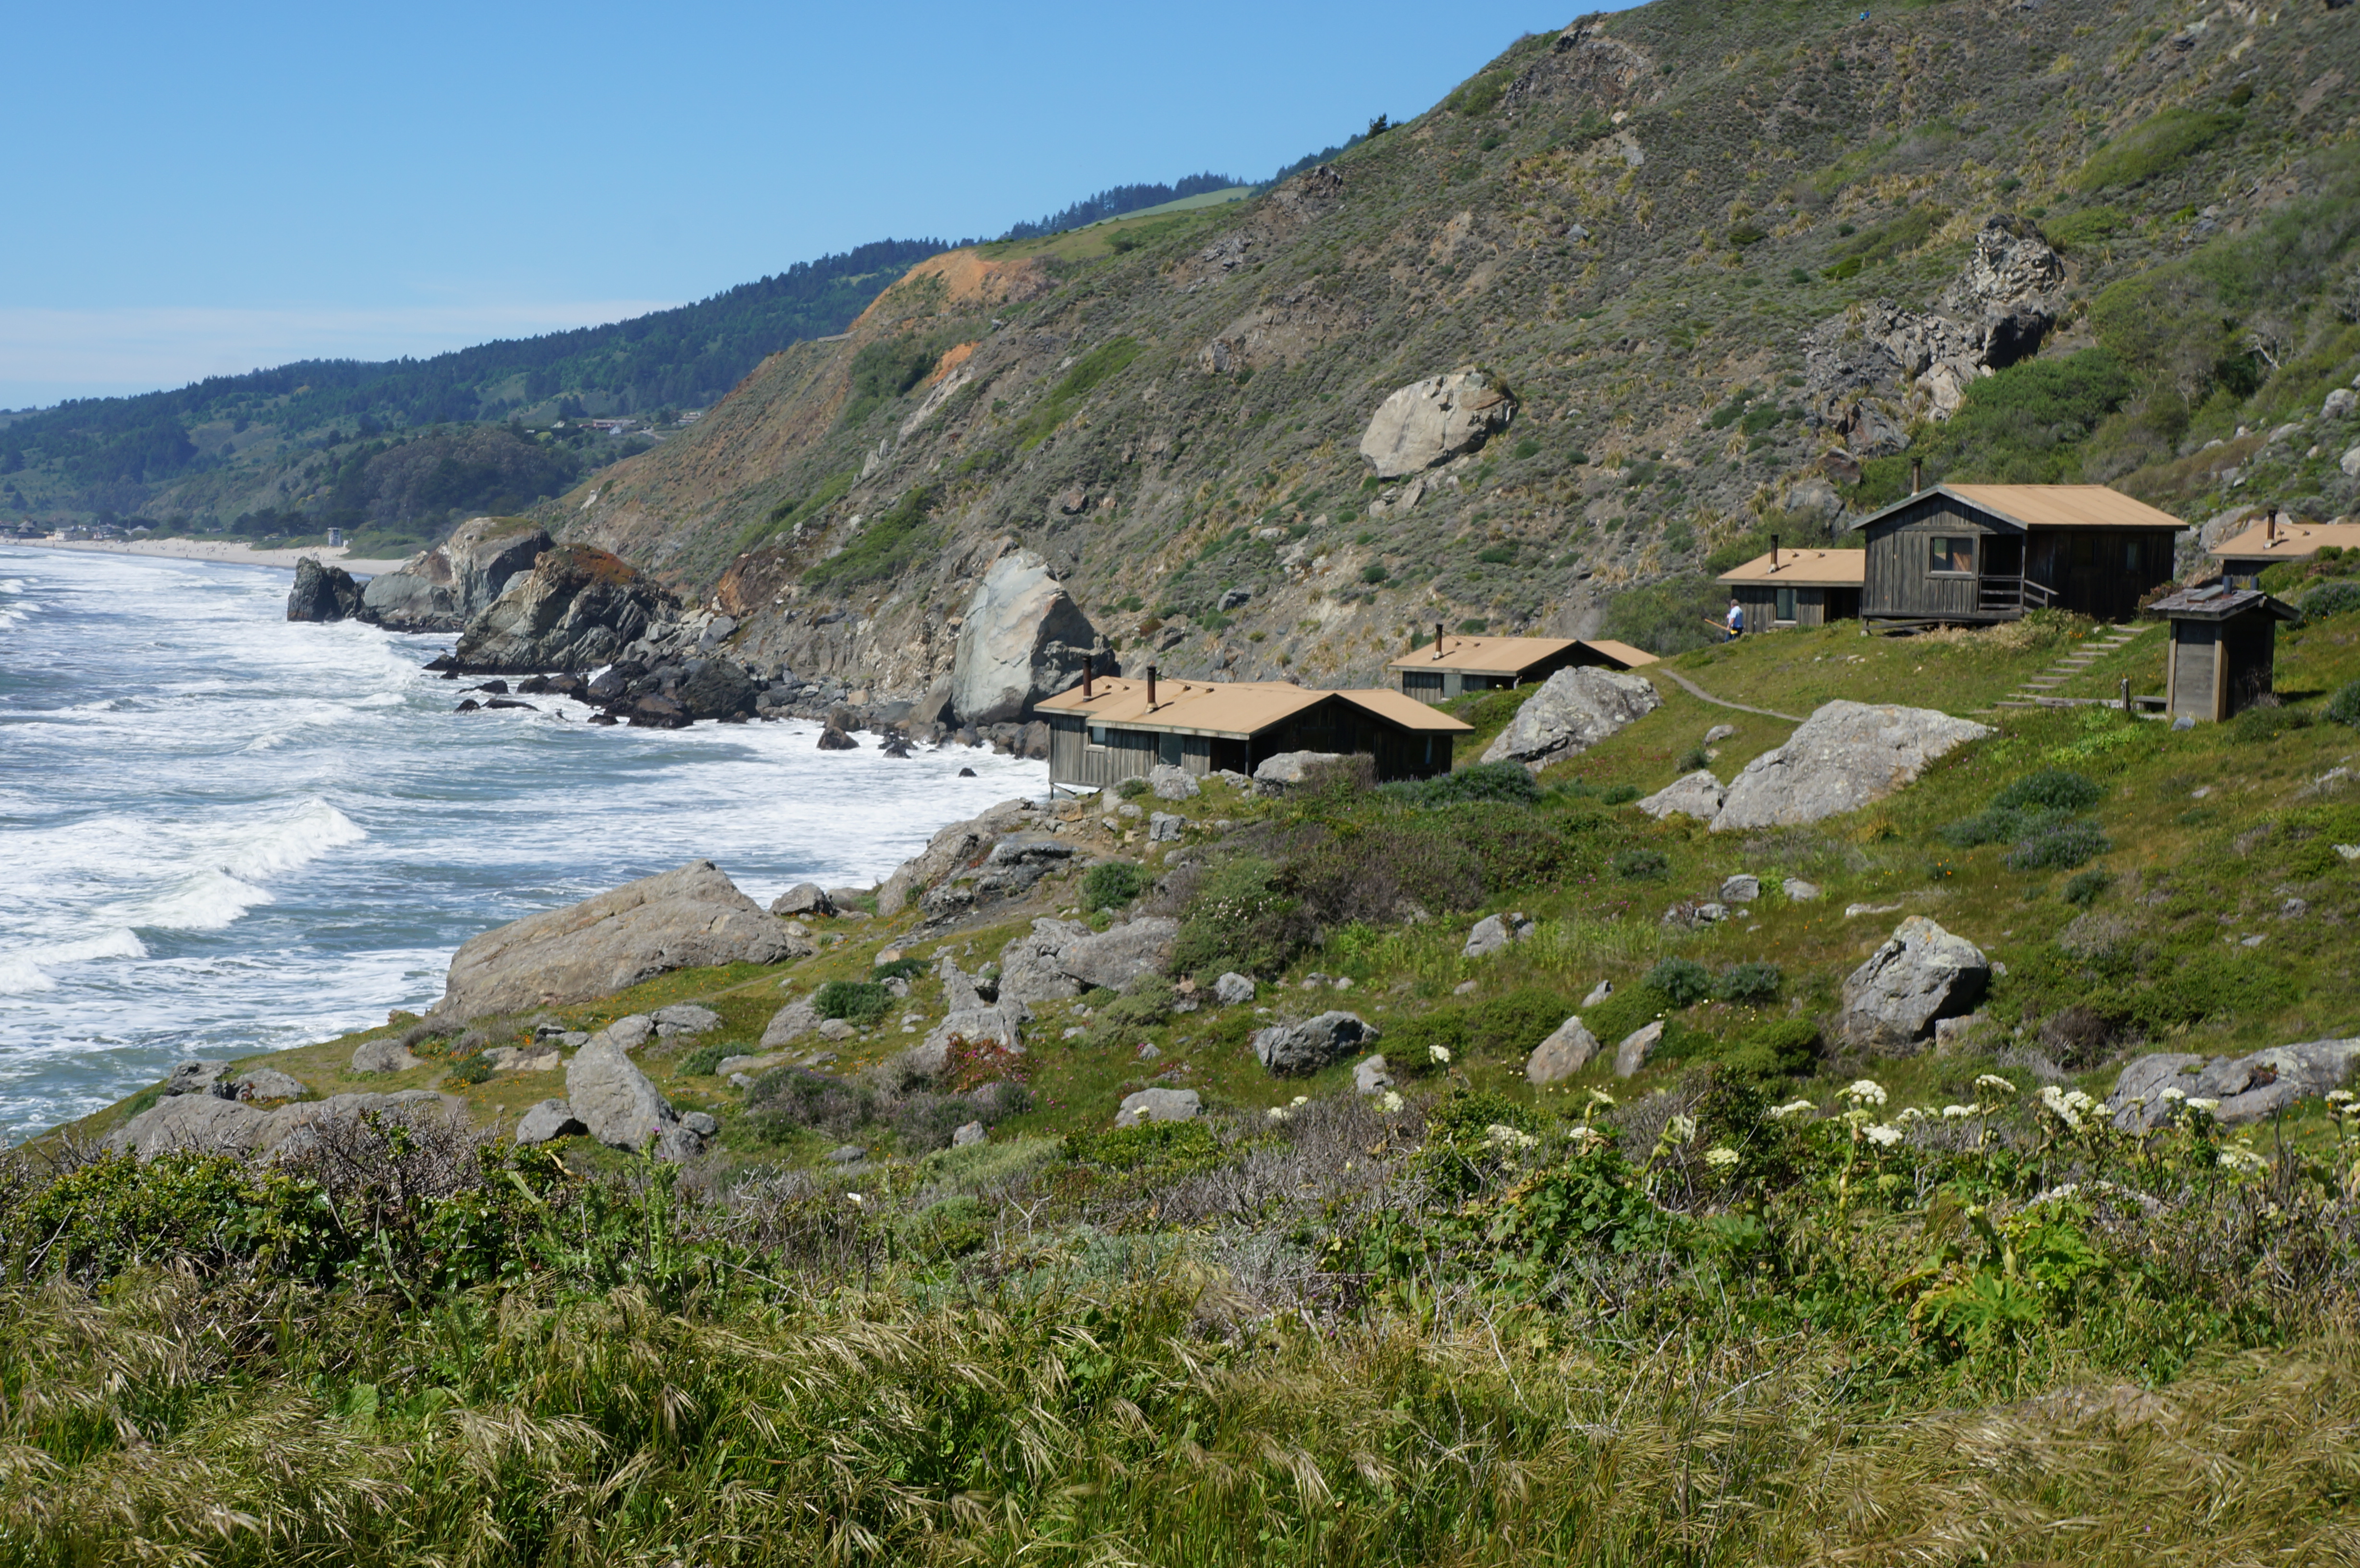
(221, 832)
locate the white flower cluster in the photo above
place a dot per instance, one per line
(1391, 1102)
(1992, 1083)
(2207, 1106)
(1440, 1054)
(1500, 1135)
(2068, 1105)
(1281, 1113)
(1791, 1109)
(1956, 1113)
(2243, 1160)
(1679, 1129)
(1882, 1135)
(1865, 1092)
(1911, 1114)
(1720, 1158)
(1586, 1137)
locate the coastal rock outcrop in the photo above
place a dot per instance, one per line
(1922, 974)
(1024, 638)
(1698, 795)
(685, 918)
(578, 606)
(1058, 958)
(1426, 421)
(206, 1123)
(1573, 710)
(1568, 1049)
(1841, 758)
(1307, 1047)
(615, 1104)
(443, 588)
(323, 593)
(960, 846)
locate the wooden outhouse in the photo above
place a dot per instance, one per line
(2223, 642)
(1454, 666)
(1109, 729)
(1963, 554)
(2272, 539)
(1798, 587)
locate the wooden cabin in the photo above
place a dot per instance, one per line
(1798, 587)
(1109, 729)
(2223, 643)
(1454, 666)
(1963, 554)
(2263, 545)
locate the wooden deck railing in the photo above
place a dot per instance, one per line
(2017, 594)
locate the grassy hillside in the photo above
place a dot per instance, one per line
(1766, 1300)
(1639, 225)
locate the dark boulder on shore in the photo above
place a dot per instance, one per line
(323, 593)
(577, 608)
(718, 691)
(833, 739)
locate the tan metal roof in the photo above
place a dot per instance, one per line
(2063, 505)
(1229, 707)
(1804, 569)
(2295, 541)
(1509, 654)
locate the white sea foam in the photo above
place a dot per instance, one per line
(30, 969)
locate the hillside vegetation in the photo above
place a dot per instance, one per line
(1642, 225)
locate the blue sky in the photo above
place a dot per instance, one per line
(192, 191)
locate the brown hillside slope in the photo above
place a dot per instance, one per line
(1633, 223)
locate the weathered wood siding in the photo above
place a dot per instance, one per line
(2101, 572)
(2193, 651)
(1900, 578)
(1333, 725)
(2250, 648)
(1425, 685)
(1811, 609)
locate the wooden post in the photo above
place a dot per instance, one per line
(2126, 694)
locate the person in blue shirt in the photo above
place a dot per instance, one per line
(1736, 619)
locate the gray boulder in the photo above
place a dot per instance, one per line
(1115, 958)
(1309, 1046)
(323, 593)
(262, 1084)
(548, 1121)
(960, 846)
(2248, 1087)
(1159, 1105)
(1494, 933)
(1573, 710)
(383, 1056)
(1022, 639)
(803, 899)
(1371, 1076)
(1742, 888)
(540, 1058)
(443, 588)
(195, 1077)
(1292, 767)
(629, 1032)
(966, 1133)
(1921, 973)
(1568, 1049)
(1798, 891)
(684, 1019)
(577, 608)
(1233, 989)
(1843, 756)
(1698, 795)
(1430, 420)
(1029, 966)
(1636, 1047)
(207, 1125)
(1163, 827)
(1171, 783)
(613, 1098)
(999, 1024)
(688, 917)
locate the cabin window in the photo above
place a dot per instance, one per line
(1097, 736)
(1954, 552)
(2130, 555)
(1786, 607)
(2084, 551)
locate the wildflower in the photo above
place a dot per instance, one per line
(1882, 1135)
(2207, 1106)
(2243, 1159)
(1276, 1112)
(1953, 1112)
(1600, 1097)
(2068, 1105)
(1679, 1129)
(2171, 1096)
(2339, 1098)
(1720, 1158)
(1911, 1114)
(1301, 1100)
(856, 1197)
(1865, 1092)
(1440, 1054)
(1391, 1102)
(1586, 1137)
(1792, 1108)
(1500, 1135)
(1992, 1083)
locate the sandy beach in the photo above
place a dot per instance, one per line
(234, 553)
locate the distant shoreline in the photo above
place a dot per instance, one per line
(222, 551)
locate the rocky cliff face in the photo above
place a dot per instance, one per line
(1694, 269)
(445, 588)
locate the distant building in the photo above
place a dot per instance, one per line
(1798, 587)
(2245, 558)
(1963, 554)
(1111, 728)
(1454, 666)
(336, 536)
(2223, 644)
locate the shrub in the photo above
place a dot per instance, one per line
(791, 1100)
(1749, 983)
(1164, 1149)
(2149, 150)
(2268, 720)
(1107, 359)
(2057, 788)
(705, 1060)
(1114, 883)
(1374, 572)
(1695, 759)
(2079, 230)
(1451, 857)
(475, 1069)
(1240, 919)
(854, 1001)
(1132, 788)
(2331, 599)
(2343, 708)
(1684, 980)
(2059, 848)
(1783, 1048)
(885, 544)
(1642, 864)
(2084, 887)
(899, 969)
(1499, 781)
(1619, 795)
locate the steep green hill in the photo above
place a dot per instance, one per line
(1711, 249)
